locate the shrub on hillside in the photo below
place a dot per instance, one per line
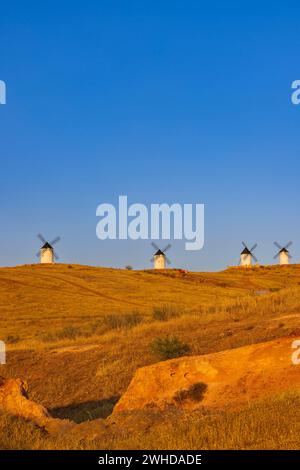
(69, 332)
(126, 320)
(12, 339)
(165, 312)
(169, 347)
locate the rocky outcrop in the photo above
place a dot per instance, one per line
(14, 401)
(225, 379)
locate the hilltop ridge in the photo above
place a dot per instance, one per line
(78, 334)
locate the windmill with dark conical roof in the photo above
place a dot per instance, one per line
(247, 255)
(46, 252)
(159, 258)
(283, 253)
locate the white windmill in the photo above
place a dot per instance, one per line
(159, 258)
(247, 255)
(283, 253)
(46, 252)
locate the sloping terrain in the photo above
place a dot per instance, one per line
(35, 299)
(247, 397)
(78, 334)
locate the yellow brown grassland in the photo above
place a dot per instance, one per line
(77, 335)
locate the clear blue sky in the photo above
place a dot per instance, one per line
(165, 101)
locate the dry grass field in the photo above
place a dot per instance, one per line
(77, 334)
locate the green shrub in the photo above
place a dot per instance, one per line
(169, 347)
(165, 312)
(127, 320)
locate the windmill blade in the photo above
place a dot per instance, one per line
(167, 260)
(152, 260)
(245, 245)
(288, 245)
(276, 256)
(38, 254)
(255, 259)
(55, 240)
(155, 246)
(40, 236)
(167, 248)
(55, 255)
(290, 256)
(254, 246)
(278, 246)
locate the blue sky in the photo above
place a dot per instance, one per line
(163, 101)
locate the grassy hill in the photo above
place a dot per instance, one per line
(77, 334)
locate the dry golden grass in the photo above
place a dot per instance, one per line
(37, 300)
(268, 424)
(74, 335)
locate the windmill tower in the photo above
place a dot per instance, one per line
(283, 253)
(159, 258)
(247, 255)
(47, 253)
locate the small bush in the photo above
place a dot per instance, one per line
(95, 327)
(12, 339)
(169, 347)
(194, 393)
(127, 320)
(69, 332)
(165, 312)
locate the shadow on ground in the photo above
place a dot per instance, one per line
(80, 412)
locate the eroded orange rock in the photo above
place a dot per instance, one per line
(14, 401)
(224, 379)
